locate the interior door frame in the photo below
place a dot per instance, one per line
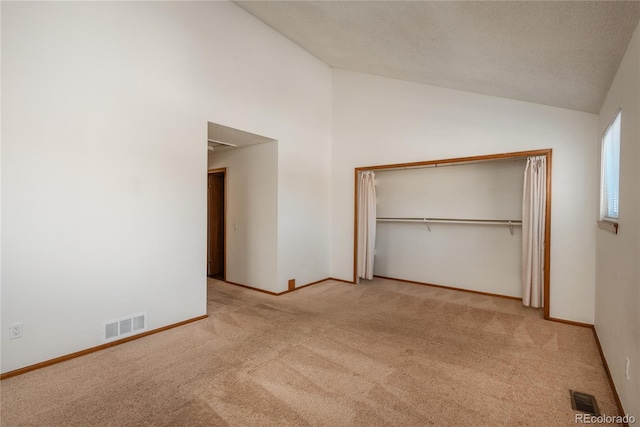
(224, 219)
(501, 156)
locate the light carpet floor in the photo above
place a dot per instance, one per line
(381, 353)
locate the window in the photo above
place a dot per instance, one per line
(610, 186)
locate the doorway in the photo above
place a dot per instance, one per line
(216, 219)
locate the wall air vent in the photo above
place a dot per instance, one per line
(215, 145)
(124, 327)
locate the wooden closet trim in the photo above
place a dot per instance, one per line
(487, 157)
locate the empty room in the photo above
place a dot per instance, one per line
(330, 213)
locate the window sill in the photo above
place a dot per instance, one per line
(611, 227)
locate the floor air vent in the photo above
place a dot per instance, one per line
(124, 327)
(584, 402)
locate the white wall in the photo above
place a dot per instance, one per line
(484, 258)
(2, 330)
(617, 318)
(378, 120)
(252, 214)
(304, 184)
(105, 110)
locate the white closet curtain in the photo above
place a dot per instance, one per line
(366, 224)
(534, 200)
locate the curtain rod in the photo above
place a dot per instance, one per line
(460, 163)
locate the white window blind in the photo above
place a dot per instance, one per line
(610, 196)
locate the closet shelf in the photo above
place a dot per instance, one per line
(456, 220)
(509, 222)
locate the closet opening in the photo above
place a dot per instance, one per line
(480, 224)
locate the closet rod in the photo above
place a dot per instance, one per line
(455, 220)
(510, 222)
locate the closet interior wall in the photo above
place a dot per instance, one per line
(479, 257)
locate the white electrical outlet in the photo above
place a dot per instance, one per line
(15, 330)
(626, 368)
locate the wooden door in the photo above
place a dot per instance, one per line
(215, 238)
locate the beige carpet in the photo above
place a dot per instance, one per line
(333, 354)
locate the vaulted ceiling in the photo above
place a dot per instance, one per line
(559, 53)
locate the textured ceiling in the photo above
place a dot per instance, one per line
(560, 53)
